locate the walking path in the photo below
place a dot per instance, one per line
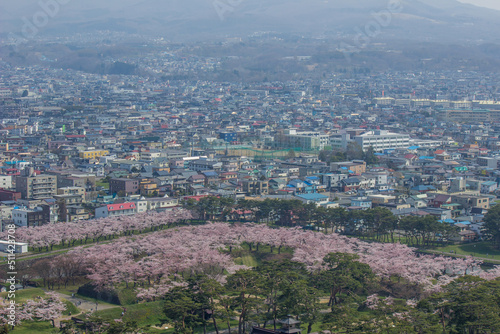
(82, 304)
(430, 251)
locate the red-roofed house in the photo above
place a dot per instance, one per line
(118, 209)
(411, 157)
(483, 151)
(196, 198)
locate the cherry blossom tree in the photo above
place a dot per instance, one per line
(67, 234)
(47, 308)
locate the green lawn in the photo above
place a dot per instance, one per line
(71, 309)
(247, 260)
(478, 249)
(105, 185)
(24, 295)
(70, 288)
(255, 258)
(126, 296)
(144, 314)
(150, 314)
(103, 303)
(44, 327)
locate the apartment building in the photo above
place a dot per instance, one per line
(128, 186)
(93, 154)
(468, 202)
(36, 186)
(24, 217)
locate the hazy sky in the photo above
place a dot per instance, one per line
(484, 3)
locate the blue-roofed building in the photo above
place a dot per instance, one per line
(465, 222)
(461, 169)
(210, 173)
(313, 179)
(313, 184)
(423, 188)
(317, 199)
(298, 185)
(211, 177)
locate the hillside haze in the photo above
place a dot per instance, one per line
(447, 20)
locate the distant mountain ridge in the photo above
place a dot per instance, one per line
(204, 19)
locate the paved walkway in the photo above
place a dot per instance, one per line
(83, 306)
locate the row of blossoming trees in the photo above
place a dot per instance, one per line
(82, 232)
